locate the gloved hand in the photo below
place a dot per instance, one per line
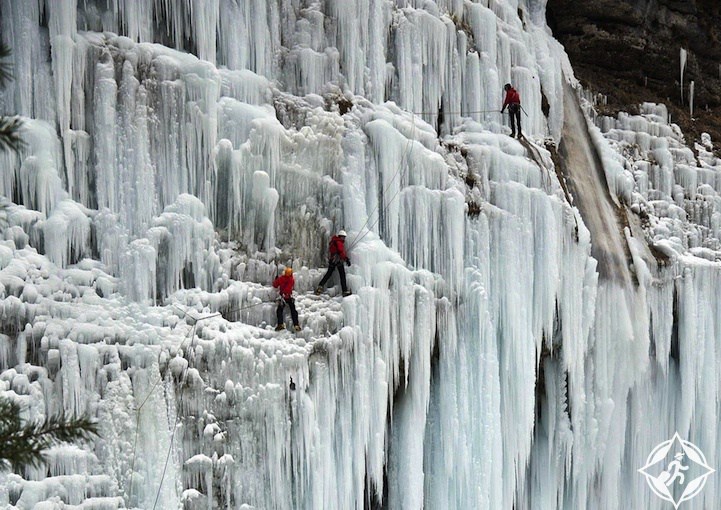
(347, 262)
(502, 109)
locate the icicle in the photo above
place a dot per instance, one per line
(62, 30)
(138, 271)
(67, 233)
(104, 133)
(690, 99)
(683, 67)
(481, 361)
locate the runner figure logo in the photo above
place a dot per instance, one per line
(680, 477)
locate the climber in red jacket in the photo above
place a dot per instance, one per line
(513, 101)
(336, 258)
(285, 283)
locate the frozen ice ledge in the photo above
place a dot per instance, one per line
(528, 320)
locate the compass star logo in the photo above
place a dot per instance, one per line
(676, 470)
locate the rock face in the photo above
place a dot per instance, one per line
(630, 51)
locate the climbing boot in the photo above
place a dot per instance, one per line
(513, 134)
(347, 293)
(520, 135)
(318, 290)
(296, 328)
(280, 327)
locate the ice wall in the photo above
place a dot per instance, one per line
(179, 153)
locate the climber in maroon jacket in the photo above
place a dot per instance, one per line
(513, 101)
(336, 258)
(285, 283)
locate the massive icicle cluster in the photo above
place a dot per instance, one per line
(178, 152)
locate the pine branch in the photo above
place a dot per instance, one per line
(23, 444)
(9, 412)
(56, 430)
(10, 127)
(6, 68)
(10, 139)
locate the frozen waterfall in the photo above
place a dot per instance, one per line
(529, 319)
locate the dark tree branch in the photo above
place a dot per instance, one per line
(23, 444)
(10, 128)
(6, 68)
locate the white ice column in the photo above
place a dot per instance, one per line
(169, 156)
(379, 16)
(62, 32)
(484, 26)
(147, 433)
(264, 202)
(40, 185)
(204, 22)
(351, 39)
(104, 134)
(464, 463)
(135, 178)
(510, 271)
(183, 239)
(406, 442)
(21, 32)
(249, 33)
(399, 161)
(422, 49)
(202, 88)
(430, 231)
(472, 98)
(138, 271)
(67, 233)
(136, 19)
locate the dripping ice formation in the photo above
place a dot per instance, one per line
(528, 321)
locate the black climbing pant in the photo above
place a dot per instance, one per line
(514, 111)
(341, 273)
(293, 312)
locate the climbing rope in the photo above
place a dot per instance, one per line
(406, 154)
(358, 238)
(196, 320)
(137, 420)
(177, 415)
(190, 336)
(466, 112)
